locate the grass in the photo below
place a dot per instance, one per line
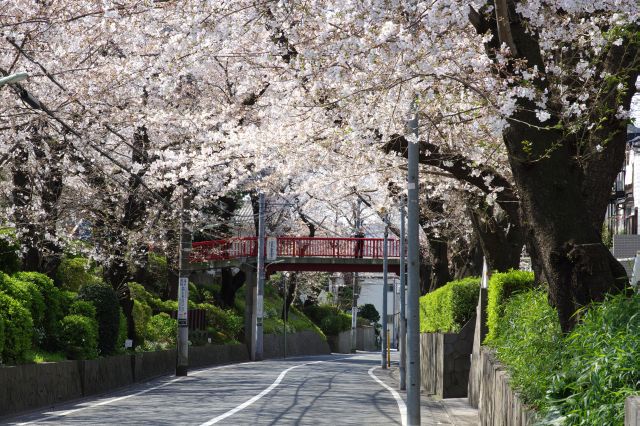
(39, 356)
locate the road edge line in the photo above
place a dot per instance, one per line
(402, 407)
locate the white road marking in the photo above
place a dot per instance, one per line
(264, 392)
(401, 405)
(120, 398)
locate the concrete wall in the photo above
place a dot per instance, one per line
(366, 338)
(341, 343)
(26, 387)
(445, 362)
(298, 344)
(475, 371)
(632, 411)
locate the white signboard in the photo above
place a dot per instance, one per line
(272, 248)
(183, 298)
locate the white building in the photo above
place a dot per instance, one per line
(371, 285)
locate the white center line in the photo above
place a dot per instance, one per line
(401, 405)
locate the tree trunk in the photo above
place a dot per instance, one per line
(230, 285)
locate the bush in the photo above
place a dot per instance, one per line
(599, 366)
(53, 313)
(223, 321)
(161, 333)
(1, 337)
(501, 286)
(368, 312)
(107, 314)
(528, 340)
(330, 319)
(83, 308)
(18, 329)
(79, 336)
(28, 294)
(157, 272)
(122, 332)
(9, 249)
(141, 316)
(75, 272)
(450, 307)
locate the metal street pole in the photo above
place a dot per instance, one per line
(182, 363)
(403, 318)
(413, 314)
(284, 311)
(260, 294)
(354, 299)
(385, 268)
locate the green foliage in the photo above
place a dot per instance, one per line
(141, 317)
(330, 319)
(501, 286)
(107, 314)
(29, 296)
(448, 308)
(161, 332)
(18, 329)
(53, 301)
(83, 308)
(122, 333)
(39, 356)
(75, 272)
(226, 324)
(1, 337)
(599, 367)
(9, 248)
(67, 298)
(157, 272)
(528, 340)
(79, 336)
(368, 312)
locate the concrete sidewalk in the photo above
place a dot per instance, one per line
(451, 411)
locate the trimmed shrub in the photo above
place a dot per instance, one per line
(1, 337)
(501, 286)
(66, 300)
(107, 314)
(83, 308)
(448, 308)
(330, 319)
(368, 312)
(161, 332)
(9, 249)
(122, 332)
(141, 317)
(75, 272)
(157, 272)
(18, 329)
(528, 340)
(599, 367)
(28, 294)
(53, 302)
(223, 321)
(79, 336)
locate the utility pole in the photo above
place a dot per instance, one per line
(354, 299)
(403, 319)
(260, 293)
(385, 269)
(413, 314)
(284, 312)
(182, 364)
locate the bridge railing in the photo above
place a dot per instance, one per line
(233, 248)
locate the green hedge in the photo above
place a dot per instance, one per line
(53, 300)
(75, 272)
(501, 286)
(79, 336)
(9, 249)
(528, 339)
(330, 319)
(29, 296)
(450, 307)
(161, 332)
(226, 324)
(18, 329)
(107, 314)
(83, 308)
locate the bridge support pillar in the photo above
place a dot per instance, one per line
(250, 299)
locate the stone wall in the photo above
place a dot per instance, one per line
(632, 411)
(366, 338)
(445, 362)
(305, 342)
(475, 376)
(27, 387)
(498, 403)
(340, 344)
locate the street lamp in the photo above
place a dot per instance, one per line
(13, 78)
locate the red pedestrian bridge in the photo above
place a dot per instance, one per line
(301, 253)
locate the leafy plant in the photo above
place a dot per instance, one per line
(9, 249)
(501, 286)
(368, 312)
(83, 308)
(29, 295)
(53, 301)
(79, 335)
(448, 308)
(18, 329)
(161, 332)
(107, 314)
(75, 272)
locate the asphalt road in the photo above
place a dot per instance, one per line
(332, 389)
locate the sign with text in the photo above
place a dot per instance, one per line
(272, 248)
(183, 298)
